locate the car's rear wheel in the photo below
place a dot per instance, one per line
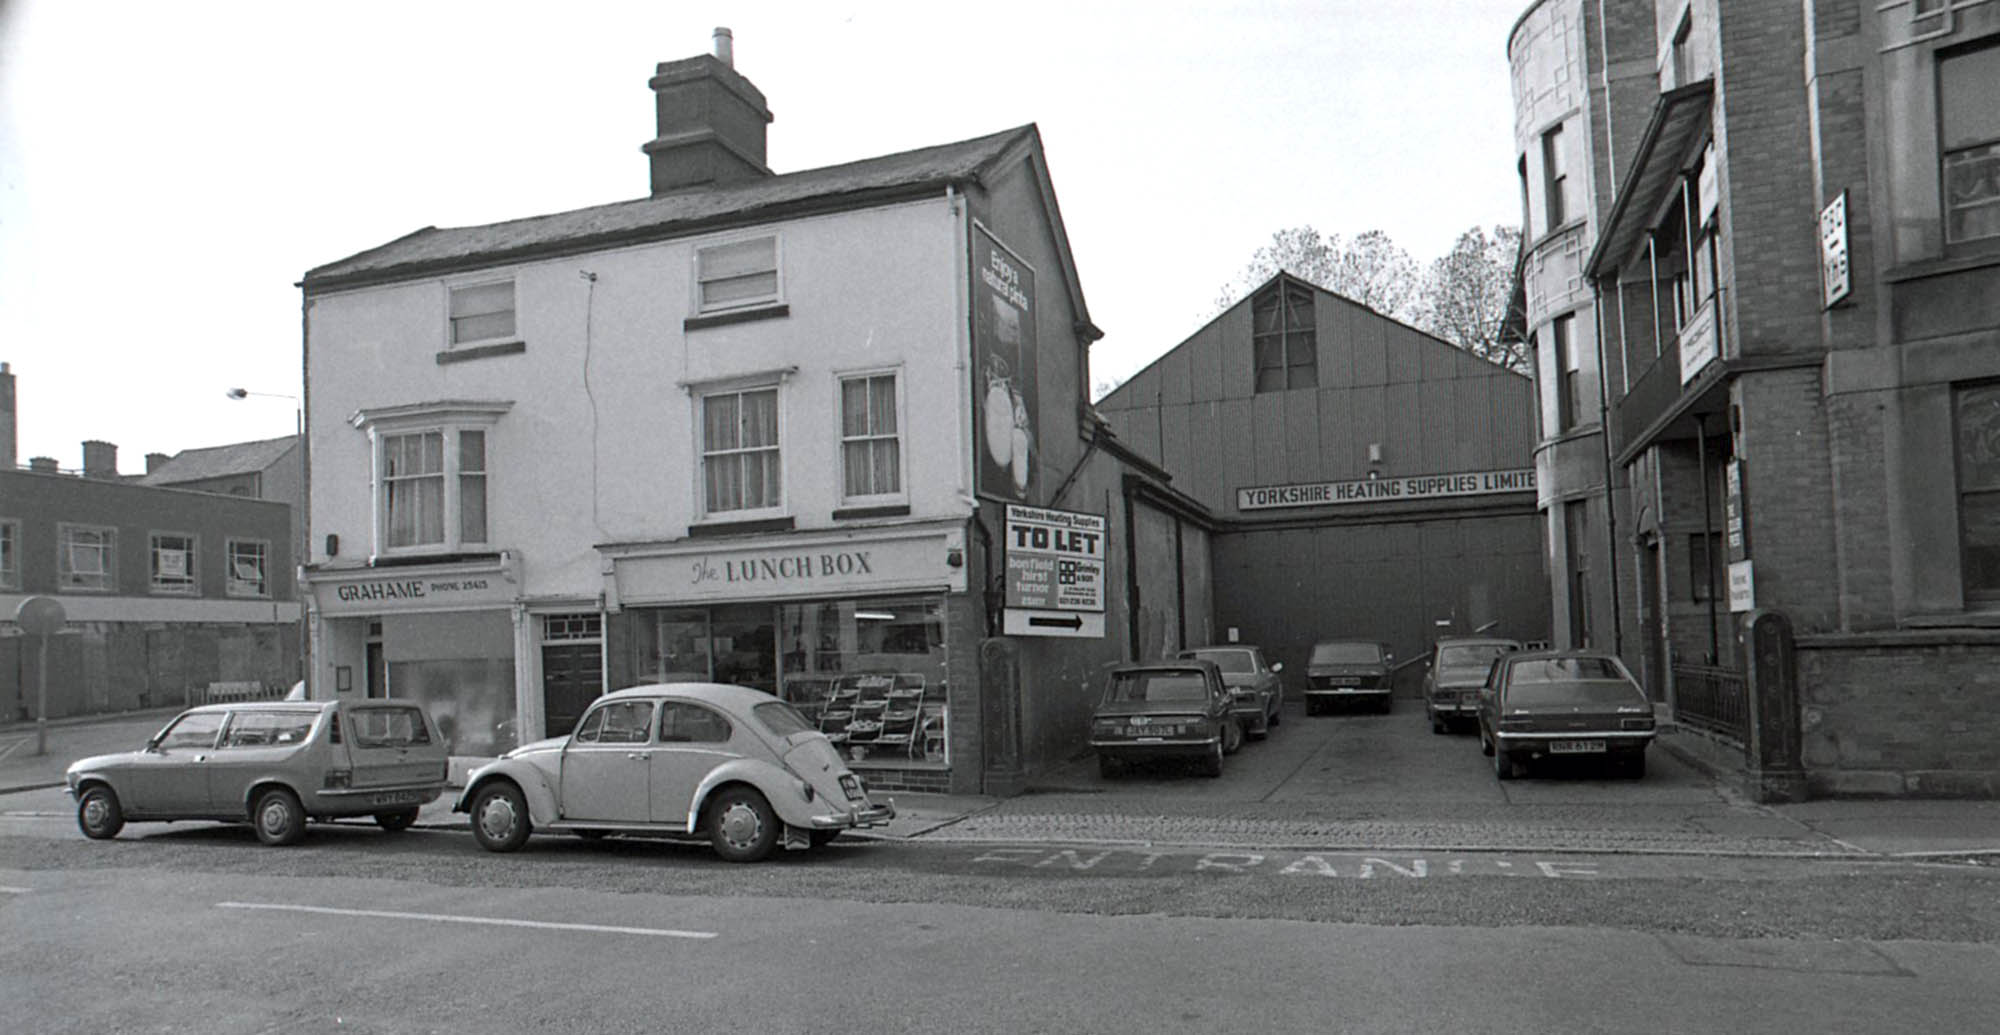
(1108, 767)
(1312, 706)
(1504, 766)
(741, 825)
(1485, 743)
(1388, 704)
(278, 817)
(1278, 711)
(1232, 738)
(1635, 765)
(500, 818)
(1212, 765)
(1437, 726)
(98, 814)
(399, 820)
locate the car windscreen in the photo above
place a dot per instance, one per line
(1226, 660)
(781, 719)
(1470, 658)
(378, 727)
(1346, 654)
(1134, 687)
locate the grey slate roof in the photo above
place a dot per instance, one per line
(433, 249)
(193, 465)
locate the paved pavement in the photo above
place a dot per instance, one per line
(1307, 788)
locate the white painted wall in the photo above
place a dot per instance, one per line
(601, 442)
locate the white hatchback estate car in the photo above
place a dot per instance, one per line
(729, 763)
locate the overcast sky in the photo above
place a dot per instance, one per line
(168, 171)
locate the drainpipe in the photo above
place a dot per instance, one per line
(1707, 536)
(1604, 438)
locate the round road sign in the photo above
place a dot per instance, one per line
(41, 616)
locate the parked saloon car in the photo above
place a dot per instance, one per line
(1165, 709)
(273, 763)
(1457, 669)
(1348, 670)
(1253, 684)
(1537, 704)
(729, 763)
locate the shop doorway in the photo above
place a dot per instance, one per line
(572, 669)
(375, 674)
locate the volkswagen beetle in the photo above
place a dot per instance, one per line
(681, 760)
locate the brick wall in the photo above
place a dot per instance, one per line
(1901, 714)
(1789, 482)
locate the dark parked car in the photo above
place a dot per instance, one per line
(1253, 685)
(1165, 709)
(1348, 670)
(1563, 704)
(275, 764)
(1457, 669)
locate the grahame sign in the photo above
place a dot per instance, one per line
(1386, 490)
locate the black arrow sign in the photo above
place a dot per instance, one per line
(1072, 622)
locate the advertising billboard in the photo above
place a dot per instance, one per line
(1003, 370)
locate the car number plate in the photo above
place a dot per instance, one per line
(396, 798)
(1575, 747)
(1343, 681)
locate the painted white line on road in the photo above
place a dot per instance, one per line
(5, 890)
(495, 921)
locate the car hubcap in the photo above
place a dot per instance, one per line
(740, 825)
(275, 818)
(496, 820)
(96, 812)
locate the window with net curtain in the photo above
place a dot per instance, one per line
(739, 451)
(870, 443)
(434, 482)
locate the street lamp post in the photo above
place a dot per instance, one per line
(298, 413)
(298, 521)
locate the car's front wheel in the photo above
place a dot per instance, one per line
(1277, 711)
(98, 814)
(1212, 765)
(741, 825)
(397, 821)
(822, 838)
(278, 817)
(500, 818)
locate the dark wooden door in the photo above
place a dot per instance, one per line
(572, 677)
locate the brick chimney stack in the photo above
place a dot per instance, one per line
(710, 122)
(43, 465)
(100, 460)
(154, 460)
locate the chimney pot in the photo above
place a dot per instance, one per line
(43, 465)
(725, 45)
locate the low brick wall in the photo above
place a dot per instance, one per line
(1901, 714)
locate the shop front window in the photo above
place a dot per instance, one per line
(1979, 491)
(460, 667)
(870, 673)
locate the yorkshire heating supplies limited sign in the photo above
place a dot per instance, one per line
(1386, 490)
(1055, 573)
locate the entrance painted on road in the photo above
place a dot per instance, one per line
(1362, 866)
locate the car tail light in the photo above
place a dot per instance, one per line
(1516, 725)
(1635, 724)
(338, 778)
(1105, 726)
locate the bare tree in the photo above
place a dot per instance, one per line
(1371, 269)
(1464, 296)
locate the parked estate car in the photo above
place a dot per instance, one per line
(1348, 670)
(1253, 685)
(1538, 704)
(729, 763)
(1165, 709)
(1457, 669)
(275, 764)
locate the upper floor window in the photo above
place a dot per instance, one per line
(86, 557)
(482, 312)
(870, 440)
(736, 275)
(1969, 135)
(1979, 490)
(739, 451)
(1570, 407)
(172, 563)
(248, 562)
(1285, 337)
(1682, 55)
(431, 470)
(10, 555)
(1555, 178)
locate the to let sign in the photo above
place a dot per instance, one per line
(1834, 275)
(1055, 572)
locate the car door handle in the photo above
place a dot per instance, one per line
(640, 755)
(201, 758)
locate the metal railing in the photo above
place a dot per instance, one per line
(1713, 699)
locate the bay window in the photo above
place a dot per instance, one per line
(431, 470)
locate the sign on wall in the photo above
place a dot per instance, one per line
(1386, 490)
(1055, 573)
(829, 566)
(1698, 342)
(1003, 359)
(1742, 587)
(1734, 536)
(1834, 282)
